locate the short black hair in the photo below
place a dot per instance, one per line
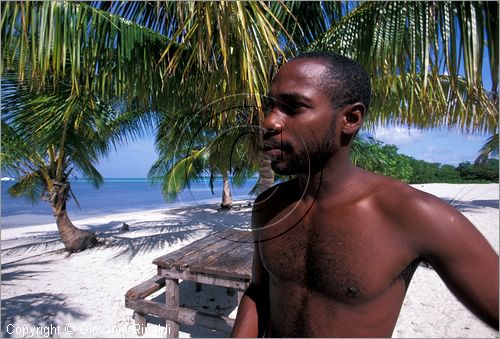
(346, 81)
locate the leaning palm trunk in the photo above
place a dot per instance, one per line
(73, 238)
(266, 174)
(227, 200)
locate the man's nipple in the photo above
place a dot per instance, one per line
(353, 291)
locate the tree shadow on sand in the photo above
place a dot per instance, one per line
(13, 271)
(35, 242)
(179, 225)
(37, 310)
(472, 205)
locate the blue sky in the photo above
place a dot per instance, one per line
(134, 159)
(439, 145)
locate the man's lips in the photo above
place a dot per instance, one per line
(273, 150)
(271, 145)
(276, 150)
(275, 153)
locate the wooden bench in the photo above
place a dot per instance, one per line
(221, 259)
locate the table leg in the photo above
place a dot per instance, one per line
(140, 323)
(172, 299)
(197, 287)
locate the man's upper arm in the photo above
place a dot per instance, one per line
(459, 253)
(259, 215)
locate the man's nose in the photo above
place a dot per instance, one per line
(272, 125)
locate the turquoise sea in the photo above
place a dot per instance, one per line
(114, 196)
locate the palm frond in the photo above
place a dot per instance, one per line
(180, 172)
(489, 149)
(233, 45)
(100, 53)
(413, 44)
(30, 186)
(394, 103)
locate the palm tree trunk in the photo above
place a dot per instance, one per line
(266, 174)
(227, 200)
(73, 238)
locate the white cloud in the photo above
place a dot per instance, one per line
(397, 135)
(435, 154)
(436, 149)
(443, 155)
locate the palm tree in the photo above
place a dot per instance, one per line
(48, 137)
(238, 60)
(63, 65)
(191, 149)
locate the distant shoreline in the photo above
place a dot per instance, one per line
(115, 196)
(44, 218)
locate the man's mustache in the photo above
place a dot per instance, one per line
(274, 144)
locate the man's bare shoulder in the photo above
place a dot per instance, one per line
(427, 220)
(274, 199)
(407, 203)
(402, 199)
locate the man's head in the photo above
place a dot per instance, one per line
(345, 80)
(317, 104)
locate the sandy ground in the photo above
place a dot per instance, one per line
(46, 292)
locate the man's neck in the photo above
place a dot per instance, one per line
(339, 175)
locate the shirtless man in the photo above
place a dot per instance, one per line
(336, 247)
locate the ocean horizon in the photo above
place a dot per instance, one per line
(115, 195)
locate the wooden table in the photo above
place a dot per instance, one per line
(221, 259)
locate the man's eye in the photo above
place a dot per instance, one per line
(269, 105)
(295, 107)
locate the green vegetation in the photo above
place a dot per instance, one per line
(413, 171)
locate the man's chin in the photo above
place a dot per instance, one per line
(283, 168)
(279, 167)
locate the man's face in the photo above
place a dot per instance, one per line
(300, 119)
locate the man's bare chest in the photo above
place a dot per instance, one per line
(345, 256)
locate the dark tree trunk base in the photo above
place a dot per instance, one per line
(80, 241)
(227, 200)
(73, 238)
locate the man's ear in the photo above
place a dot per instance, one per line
(353, 118)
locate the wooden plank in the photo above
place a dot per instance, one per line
(227, 241)
(236, 263)
(172, 301)
(213, 255)
(146, 288)
(182, 315)
(170, 259)
(220, 246)
(189, 260)
(238, 283)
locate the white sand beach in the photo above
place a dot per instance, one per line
(82, 295)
